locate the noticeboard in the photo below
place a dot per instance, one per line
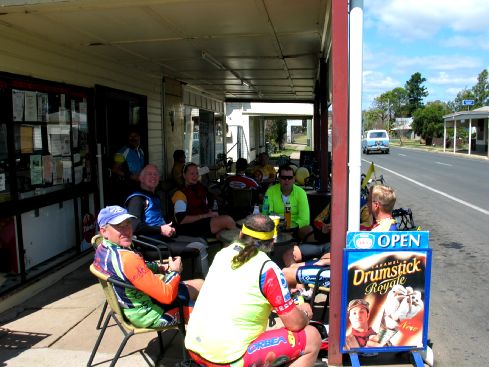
(386, 287)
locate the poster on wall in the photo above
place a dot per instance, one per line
(386, 287)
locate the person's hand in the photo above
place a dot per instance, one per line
(306, 307)
(326, 228)
(212, 214)
(175, 264)
(167, 230)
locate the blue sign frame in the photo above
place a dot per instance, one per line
(376, 265)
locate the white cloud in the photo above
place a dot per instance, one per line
(440, 62)
(444, 78)
(419, 19)
(466, 42)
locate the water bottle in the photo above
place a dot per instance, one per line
(287, 215)
(256, 209)
(215, 207)
(266, 206)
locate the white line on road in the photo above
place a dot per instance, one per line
(444, 164)
(402, 155)
(463, 202)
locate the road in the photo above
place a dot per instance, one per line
(449, 196)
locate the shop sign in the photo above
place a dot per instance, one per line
(386, 287)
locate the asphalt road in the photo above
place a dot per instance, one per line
(449, 196)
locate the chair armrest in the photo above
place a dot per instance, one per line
(144, 243)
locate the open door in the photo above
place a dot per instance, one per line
(117, 114)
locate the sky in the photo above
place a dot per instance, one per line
(447, 41)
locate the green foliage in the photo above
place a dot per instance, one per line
(275, 133)
(415, 92)
(479, 93)
(428, 121)
(456, 104)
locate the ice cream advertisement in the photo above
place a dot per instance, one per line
(385, 291)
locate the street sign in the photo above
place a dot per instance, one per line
(468, 102)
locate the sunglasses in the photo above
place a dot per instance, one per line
(286, 177)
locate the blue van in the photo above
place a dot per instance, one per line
(375, 141)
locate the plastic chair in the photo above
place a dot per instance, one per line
(126, 327)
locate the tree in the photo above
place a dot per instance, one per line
(457, 103)
(275, 131)
(481, 90)
(428, 121)
(372, 119)
(415, 92)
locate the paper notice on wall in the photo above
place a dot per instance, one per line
(2, 181)
(26, 134)
(78, 174)
(37, 138)
(18, 101)
(57, 171)
(36, 169)
(47, 169)
(30, 113)
(83, 111)
(42, 107)
(74, 131)
(67, 171)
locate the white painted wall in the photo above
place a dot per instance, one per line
(27, 55)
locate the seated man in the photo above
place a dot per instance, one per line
(267, 170)
(381, 201)
(235, 335)
(240, 180)
(146, 206)
(192, 212)
(286, 191)
(152, 304)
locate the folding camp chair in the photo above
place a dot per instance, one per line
(126, 327)
(97, 240)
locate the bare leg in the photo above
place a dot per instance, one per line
(193, 286)
(292, 256)
(222, 222)
(312, 348)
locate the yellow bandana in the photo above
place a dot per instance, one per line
(257, 235)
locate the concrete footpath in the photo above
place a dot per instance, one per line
(56, 327)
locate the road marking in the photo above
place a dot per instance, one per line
(463, 202)
(402, 155)
(444, 164)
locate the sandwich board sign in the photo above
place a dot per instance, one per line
(386, 292)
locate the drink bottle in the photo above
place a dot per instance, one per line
(266, 206)
(287, 216)
(256, 209)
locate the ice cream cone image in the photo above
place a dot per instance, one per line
(401, 304)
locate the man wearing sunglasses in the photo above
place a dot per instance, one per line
(286, 191)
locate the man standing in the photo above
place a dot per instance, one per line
(128, 163)
(152, 304)
(129, 160)
(235, 335)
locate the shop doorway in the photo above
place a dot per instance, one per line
(118, 113)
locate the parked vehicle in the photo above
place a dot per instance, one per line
(375, 141)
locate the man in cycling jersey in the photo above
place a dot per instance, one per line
(236, 335)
